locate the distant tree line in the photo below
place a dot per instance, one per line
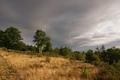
(11, 39)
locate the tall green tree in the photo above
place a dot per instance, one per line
(41, 40)
(12, 37)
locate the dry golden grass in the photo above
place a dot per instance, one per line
(29, 67)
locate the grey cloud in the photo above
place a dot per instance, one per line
(61, 19)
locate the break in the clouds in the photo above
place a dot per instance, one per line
(79, 24)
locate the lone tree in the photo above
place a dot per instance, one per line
(42, 41)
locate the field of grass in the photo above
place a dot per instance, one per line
(16, 66)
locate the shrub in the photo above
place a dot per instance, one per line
(77, 56)
(65, 51)
(91, 57)
(109, 72)
(86, 72)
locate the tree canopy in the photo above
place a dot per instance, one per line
(10, 37)
(42, 41)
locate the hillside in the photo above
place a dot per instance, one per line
(16, 66)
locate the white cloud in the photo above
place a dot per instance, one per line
(104, 33)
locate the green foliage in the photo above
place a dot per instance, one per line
(108, 62)
(64, 51)
(42, 41)
(2, 38)
(85, 72)
(30, 48)
(109, 72)
(56, 50)
(21, 46)
(91, 57)
(117, 65)
(48, 47)
(112, 55)
(76, 55)
(10, 37)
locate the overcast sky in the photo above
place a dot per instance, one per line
(79, 24)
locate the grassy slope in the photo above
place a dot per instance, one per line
(27, 67)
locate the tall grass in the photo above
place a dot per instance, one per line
(85, 72)
(31, 67)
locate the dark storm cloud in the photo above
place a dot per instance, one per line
(67, 22)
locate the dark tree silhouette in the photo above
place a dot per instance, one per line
(42, 41)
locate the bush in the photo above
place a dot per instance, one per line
(109, 72)
(65, 51)
(86, 72)
(91, 57)
(77, 56)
